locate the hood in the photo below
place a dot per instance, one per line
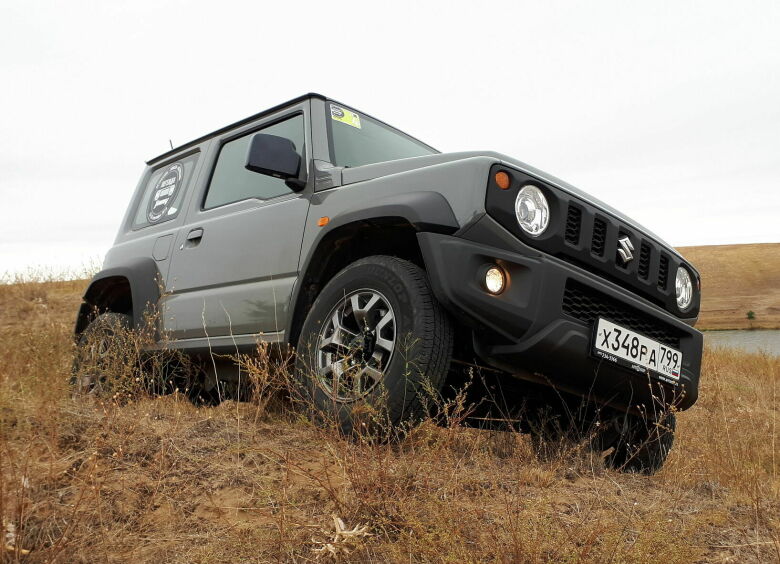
(377, 170)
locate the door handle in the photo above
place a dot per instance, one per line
(195, 234)
(193, 238)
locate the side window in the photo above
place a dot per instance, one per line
(164, 192)
(231, 182)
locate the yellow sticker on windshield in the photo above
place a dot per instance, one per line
(344, 116)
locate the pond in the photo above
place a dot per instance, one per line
(750, 341)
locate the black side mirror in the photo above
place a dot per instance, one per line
(275, 156)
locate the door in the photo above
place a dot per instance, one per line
(235, 260)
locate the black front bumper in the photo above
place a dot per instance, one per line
(543, 322)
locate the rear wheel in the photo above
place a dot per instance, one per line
(105, 354)
(109, 362)
(373, 345)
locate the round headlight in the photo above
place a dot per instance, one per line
(684, 288)
(532, 211)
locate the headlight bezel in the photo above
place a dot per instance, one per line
(536, 225)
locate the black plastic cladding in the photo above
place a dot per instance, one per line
(587, 237)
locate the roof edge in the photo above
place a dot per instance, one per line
(227, 128)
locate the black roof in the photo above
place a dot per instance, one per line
(234, 125)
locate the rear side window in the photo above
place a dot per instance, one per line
(231, 182)
(164, 192)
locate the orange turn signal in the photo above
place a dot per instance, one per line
(502, 180)
(323, 221)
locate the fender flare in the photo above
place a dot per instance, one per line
(424, 211)
(142, 275)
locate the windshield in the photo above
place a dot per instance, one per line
(357, 139)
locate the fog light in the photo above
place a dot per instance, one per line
(494, 280)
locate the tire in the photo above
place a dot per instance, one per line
(641, 445)
(554, 430)
(104, 355)
(355, 377)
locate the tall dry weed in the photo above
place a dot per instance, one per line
(149, 476)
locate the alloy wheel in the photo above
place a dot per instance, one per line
(355, 345)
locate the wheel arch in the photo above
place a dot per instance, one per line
(387, 227)
(132, 289)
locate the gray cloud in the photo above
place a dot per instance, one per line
(666, 110)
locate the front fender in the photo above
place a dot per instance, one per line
(425, 211)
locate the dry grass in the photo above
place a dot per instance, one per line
(158, 479)
(737, 279)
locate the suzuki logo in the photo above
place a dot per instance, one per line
(624, 249)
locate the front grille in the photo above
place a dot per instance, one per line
(599, 241)
(587, 305)
(644, 261)
(588, 237)
(573, 223)
(663, 272)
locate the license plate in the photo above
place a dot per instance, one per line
(633, 350)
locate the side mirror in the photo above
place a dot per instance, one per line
(275, 156)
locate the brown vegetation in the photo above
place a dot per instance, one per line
(158, 479)
(737, 279)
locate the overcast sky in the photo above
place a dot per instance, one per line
(669, 111)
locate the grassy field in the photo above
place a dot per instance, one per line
(158, 479)
(737, 279)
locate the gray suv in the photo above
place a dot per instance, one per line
(386, 264)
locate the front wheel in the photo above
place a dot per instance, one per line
(639, 444)
(373, 346)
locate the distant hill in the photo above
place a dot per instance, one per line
(737, 279)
